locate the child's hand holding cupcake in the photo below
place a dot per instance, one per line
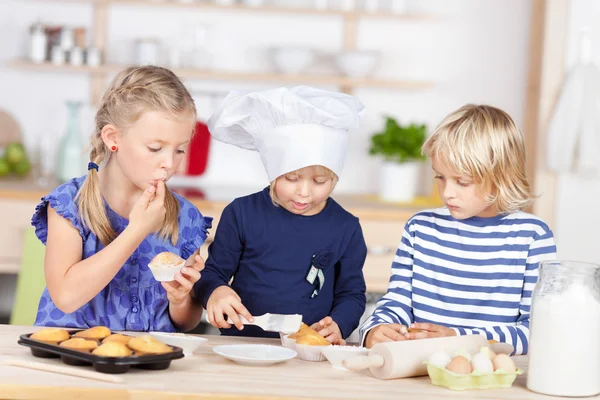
(179, 289)
(176, 274)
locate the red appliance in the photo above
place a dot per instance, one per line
(197, 159)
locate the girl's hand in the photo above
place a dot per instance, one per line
(386, 333)
(330, 330)
(148, 213)
(424, 330)
(225, 301)
(178, 290)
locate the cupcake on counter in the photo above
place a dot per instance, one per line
(50, 335)
(79, 344)
(307, 342)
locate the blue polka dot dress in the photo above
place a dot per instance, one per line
(133, 300)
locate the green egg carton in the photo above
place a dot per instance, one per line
(499, 379)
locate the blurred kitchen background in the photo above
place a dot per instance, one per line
(413, 61)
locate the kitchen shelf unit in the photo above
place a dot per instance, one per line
(347, 84)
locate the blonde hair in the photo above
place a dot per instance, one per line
(132, 92)
(484, 142)
(321, 170)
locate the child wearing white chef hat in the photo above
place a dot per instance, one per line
(290, 248)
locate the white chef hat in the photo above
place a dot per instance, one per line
(291, 128)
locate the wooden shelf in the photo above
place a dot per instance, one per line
(385, 83)
(211, 5)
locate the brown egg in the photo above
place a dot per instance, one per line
(460, 365)
(505, 363)
(492, 354)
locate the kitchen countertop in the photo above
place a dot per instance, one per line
(207, 375)
(364, 206)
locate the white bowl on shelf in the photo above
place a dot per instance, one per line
(336, 355)
(291, 60)
(358, 63)
(189, 343)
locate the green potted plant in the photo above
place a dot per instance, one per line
(400, 148)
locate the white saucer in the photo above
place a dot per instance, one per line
(255, 354)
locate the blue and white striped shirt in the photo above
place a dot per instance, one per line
(475, 276)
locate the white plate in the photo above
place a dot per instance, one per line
(255, 354)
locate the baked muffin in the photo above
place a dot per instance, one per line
(166, 259)
(95, 333)
(80, 344)
(308, 336)
(50, 335)
(147, 344)
(119, 338)
(164, 266)
(312, 339)
(112, 349)
(302, 331)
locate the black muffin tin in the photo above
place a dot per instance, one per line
(107, 365)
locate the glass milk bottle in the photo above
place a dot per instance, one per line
(564, 338)
(70, 157)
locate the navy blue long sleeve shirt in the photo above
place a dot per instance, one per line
(269, 251)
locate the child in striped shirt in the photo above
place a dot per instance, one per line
(470, 267)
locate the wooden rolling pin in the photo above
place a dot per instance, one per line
(407, 358)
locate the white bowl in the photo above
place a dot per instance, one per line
(188, 343)
(291, 60)
(336, 355)
(359, 63)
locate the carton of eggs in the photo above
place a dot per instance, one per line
(461, 371)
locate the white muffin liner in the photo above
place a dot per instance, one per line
(310, 353)
(287, 342)
(166, 273)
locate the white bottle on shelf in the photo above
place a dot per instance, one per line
(67, 38)
(76, 56)
(372, 6)
(321, 4)
(93, 57)
(58, 56)
(348, 5)
(400, 6)
(38, 44)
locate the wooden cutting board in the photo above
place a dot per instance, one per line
(10, 130)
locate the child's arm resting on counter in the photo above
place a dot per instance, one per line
(395, 307)
(542, 249)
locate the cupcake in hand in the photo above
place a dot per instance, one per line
(165, 266)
